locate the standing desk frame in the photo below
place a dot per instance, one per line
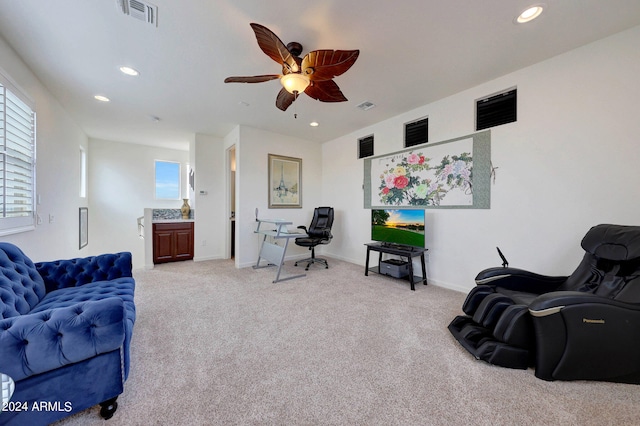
(273, 253)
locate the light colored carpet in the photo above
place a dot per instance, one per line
(214, 345)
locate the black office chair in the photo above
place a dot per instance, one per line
(319, 232)
(579, 327)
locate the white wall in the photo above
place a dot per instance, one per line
(252, 149)
(568, 163)
(121, 186)
(57, 171)
(212, 219)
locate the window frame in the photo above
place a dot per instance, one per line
(83, 172)
(155, 180)
(363, 151)
(14, 225)
(408, 142)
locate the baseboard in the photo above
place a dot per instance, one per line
(449, 286)
(205, 258)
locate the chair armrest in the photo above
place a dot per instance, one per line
(582, 336)
(519, 279)
(35, 343)
(75, 272)
(555, 300)
(303, 228)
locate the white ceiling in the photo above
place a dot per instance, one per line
(412, 52)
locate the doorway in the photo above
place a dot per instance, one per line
(231, 156)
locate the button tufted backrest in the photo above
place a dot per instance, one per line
(21, 287)
(75, 272)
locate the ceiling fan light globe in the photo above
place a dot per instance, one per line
(294, 82)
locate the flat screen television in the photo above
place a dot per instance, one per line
(398, 227)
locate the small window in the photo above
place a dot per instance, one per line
(365, 147)
(497, 109)
(83, 173)
(167, 180)
(416, 132)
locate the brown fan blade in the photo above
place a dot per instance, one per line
(275, 48)
(284, 99)
(325, 91)
(252, 79)
(321, 65)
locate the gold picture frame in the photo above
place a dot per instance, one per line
(285, 182)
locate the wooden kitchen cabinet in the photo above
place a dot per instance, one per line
(172, 242)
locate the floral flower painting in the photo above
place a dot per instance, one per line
(413, 178)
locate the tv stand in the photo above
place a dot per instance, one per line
(402, 251)
(397, 246)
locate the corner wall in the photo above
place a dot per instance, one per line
(252, 149)
(121, 186)
(568, 163)
(57, 170)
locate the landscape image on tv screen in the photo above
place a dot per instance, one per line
(404, 227)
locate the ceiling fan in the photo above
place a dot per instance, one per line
(312, 74)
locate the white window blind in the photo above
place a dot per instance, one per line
(17, 162)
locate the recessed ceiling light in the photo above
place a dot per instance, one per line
(129, 71)
(531, 13)
(101, 98)
(314, 124)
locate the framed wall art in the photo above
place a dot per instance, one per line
(84, 226)
(285, 182)
(455, 173)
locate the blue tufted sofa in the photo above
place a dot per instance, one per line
(65, 332)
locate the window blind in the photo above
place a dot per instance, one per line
(365, 147)
(416, 132)
(497, 110)
(17, 162)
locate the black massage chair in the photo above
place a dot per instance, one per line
(582, 327)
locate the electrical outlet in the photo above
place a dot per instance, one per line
(204, 243)
(426, 258)
(52, 218)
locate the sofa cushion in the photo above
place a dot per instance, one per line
(21, 287)
(76, 272)
(120, 287)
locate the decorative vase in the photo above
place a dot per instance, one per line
(185, 209)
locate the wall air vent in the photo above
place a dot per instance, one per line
(143, 11)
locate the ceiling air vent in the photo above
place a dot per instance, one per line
(143, 11)
(366, 105)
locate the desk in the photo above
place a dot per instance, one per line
(408, 252)
(272, 252)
